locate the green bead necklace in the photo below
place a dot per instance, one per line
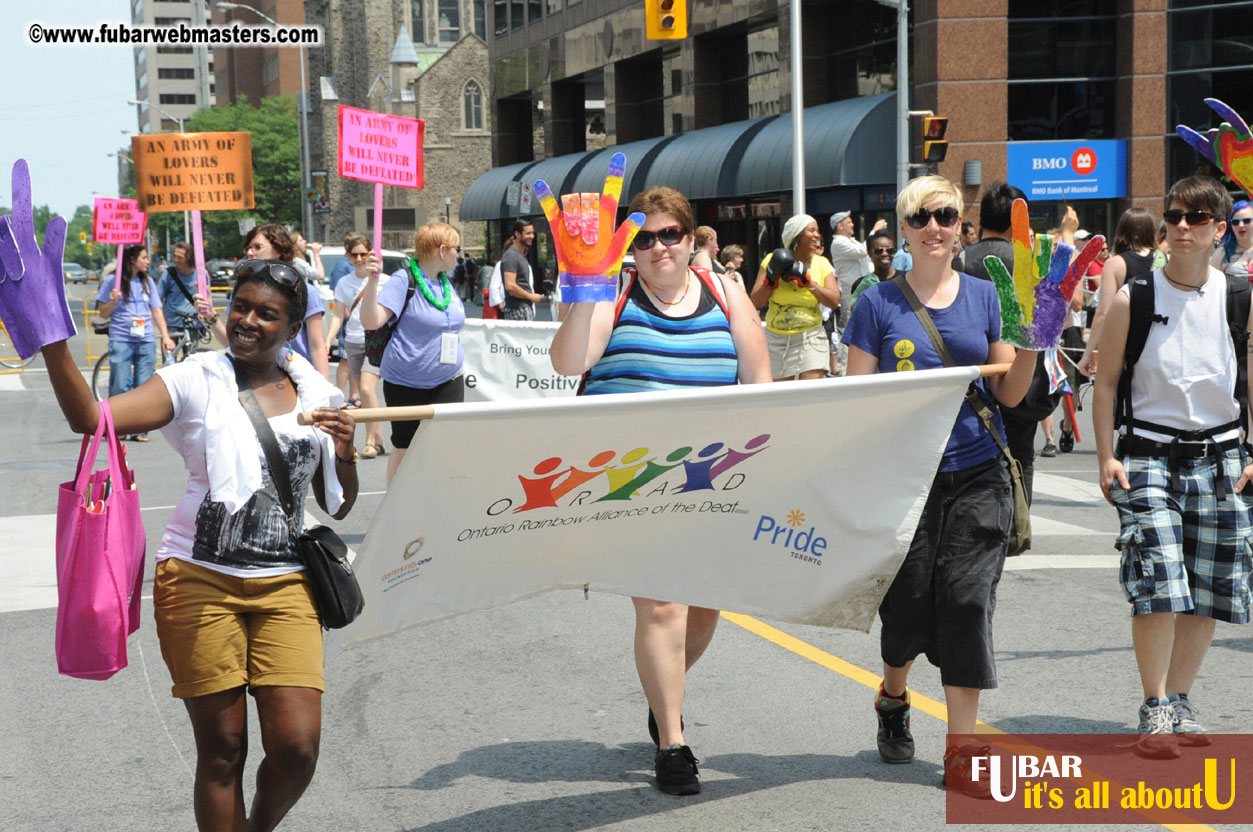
(440, 304)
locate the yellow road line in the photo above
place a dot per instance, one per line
(926, 704)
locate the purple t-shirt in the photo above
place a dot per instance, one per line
(313, 307)
(139, 308)
(412, 356)
(882, 324)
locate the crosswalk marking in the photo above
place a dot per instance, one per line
(11, 381)
(1045, 527)
(1067, 488)
(1026, 562)
(28, 562)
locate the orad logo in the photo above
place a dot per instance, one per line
(1083, 161)
(608, 476)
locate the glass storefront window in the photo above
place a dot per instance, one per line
(1061, 8)
(1062, 48)
(517, 16)
(1212, 37)
(763, 72)
(1045, 111)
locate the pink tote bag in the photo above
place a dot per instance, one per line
(100, 560)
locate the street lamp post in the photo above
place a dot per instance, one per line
(447, 210)
(302, 104)
(182, 129)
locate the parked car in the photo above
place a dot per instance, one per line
(221, 271)
(393, 261)
(74, 273)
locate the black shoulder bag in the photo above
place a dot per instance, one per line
(335, 589)
(1020, 531)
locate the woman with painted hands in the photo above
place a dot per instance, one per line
(422, 363)
(135, 317)
(799, 345)
(1234, 254)
(673, 333)
(272, 242)
(234, 611)
(942, 599)
(1135, 240)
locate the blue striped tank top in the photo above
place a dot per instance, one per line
(649, 351)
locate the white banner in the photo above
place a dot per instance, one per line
(792, 501)
(508, 360)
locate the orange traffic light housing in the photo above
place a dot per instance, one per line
(665, 19)
(934, 147)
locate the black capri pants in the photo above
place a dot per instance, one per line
(452, 391)
(942, 600)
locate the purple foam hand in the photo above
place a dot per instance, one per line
(33, 305)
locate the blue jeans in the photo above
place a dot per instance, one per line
(131, 363)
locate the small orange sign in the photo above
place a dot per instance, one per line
(193, 171)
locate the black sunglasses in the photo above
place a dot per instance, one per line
(276, 270)
(1242, 221)
(885, 249)
(669, 236)
(1194, 218)
(945, 217)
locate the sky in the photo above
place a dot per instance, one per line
(63, 108)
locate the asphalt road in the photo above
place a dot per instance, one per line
(530, 716)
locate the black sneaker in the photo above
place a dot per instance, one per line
(655, 732)
(1067, 443)
(676, 770)
(1050, 450)
(896, 744)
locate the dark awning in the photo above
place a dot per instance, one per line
(485, 198)
(847, 143)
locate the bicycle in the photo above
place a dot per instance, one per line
(193, 337)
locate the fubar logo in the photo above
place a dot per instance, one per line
(603, 479)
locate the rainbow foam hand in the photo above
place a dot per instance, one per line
(589, 250)
(32, 289)
(1034, 300)
(1230, 145)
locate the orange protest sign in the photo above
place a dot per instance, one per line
(193, 171)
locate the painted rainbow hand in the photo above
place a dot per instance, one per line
(1230, 145)
(1035, 298)
(32, 288)
(589, 251)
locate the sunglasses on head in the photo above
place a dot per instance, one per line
(945, 217)
(669, 236)
(1242, 221)
(1194, 218)
(885, 249)
(277, 271)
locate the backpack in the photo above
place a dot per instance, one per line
(1144, 315)
(715, 288)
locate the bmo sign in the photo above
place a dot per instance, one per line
(1069, 170)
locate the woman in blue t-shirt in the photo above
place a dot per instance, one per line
(134, 311)
(422, 364)
(944, 594)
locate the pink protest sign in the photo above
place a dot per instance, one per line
(118, 221)
(375, 147)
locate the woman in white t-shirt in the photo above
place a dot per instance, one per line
(346, 314)
(233, 608)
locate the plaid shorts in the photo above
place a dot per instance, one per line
(1185, 551)
(518, 313)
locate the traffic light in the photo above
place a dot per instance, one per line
(665, 19)
(82, 236)
(934, 147)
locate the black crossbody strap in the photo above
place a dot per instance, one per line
(269, 446)
(976, 401)
(179, 283)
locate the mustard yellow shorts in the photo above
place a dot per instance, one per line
(219, 632)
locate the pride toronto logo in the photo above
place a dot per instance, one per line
(608, 477)
(803, 544)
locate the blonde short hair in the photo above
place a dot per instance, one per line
(926, 189)
(433, 235)
(703, 235)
